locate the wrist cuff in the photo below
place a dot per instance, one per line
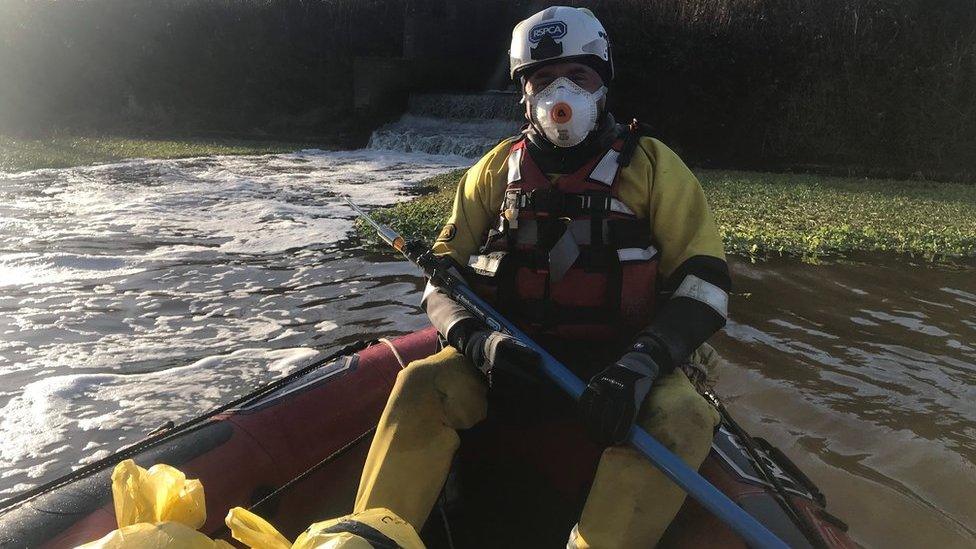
(640, 363)
(650, 344)
(460, 332)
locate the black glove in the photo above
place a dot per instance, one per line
(494, 353)
(609, 404)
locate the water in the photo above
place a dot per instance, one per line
(146, 291)
(865, 374)
(466, 125)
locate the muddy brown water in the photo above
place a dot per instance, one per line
(864, 373)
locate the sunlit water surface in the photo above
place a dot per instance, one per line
(146, 291)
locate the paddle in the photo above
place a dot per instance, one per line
(444, 274)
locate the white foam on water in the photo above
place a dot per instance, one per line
(32, 269)
(465, 137)
(175, 209)
(326, 326)
(152, 290)
(92, 410)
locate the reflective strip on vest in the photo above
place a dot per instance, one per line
(705, 292)
(574, 538)
(606, 171)
(620, 207)
(637, 254)
(515, 166)
(486, 265)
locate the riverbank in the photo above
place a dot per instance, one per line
(795, 215)
(64, 151)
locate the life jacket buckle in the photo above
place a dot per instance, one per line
(547, 201)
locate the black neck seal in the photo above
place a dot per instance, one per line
(563, 160)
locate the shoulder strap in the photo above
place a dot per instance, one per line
(635, 130)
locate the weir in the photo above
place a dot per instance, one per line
(457, 124)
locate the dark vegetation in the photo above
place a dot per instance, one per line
(187, 66)
(869, 87)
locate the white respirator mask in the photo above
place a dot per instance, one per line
(565, 112)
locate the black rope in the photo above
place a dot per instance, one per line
(154, 440)
(781, 495)
(328, 459)
(445, 522)
(224, 530)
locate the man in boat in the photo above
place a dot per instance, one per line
(597, 240)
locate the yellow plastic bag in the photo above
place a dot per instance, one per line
(157, 508)
(163, 535)
(161, 494)
(253, 531)
(160, 508)
(343, 532)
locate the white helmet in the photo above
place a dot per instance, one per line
(560, 32)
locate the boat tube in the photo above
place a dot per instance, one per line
(292, 451)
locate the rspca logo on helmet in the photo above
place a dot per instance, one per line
(552, 29)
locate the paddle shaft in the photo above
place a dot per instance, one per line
(754, 532)
(443, 274)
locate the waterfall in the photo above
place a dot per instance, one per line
(459, 124)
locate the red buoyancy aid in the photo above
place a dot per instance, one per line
(569, 258)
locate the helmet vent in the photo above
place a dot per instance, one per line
(597, 47)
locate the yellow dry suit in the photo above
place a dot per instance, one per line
(630, 503)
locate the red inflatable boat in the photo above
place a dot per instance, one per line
(293, 451)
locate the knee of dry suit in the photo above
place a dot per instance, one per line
(680, 418)
(448, 381)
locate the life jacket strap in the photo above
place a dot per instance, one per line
(555, 203)
(616, 233)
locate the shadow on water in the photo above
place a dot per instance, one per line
(865, 373)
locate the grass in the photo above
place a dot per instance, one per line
(422, 217)
(62, 151)
(805, 216)
(761, 214)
